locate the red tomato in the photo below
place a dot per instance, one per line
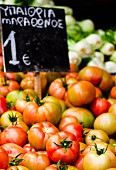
(76, 129)
(39, 134)
(36, 160)
(81, 93)
(28, 148)
(4, 160)
(99, 106)
(72, 75)
(13, 134)
(79, 162)
(63, 145)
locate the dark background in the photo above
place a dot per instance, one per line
(101, 12)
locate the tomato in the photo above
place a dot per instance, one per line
(99, 159)
(10, 117)
(63, 104)
(58, 88)
(39, 134)
(28, 148)
(66, 120)
(7, 86)
(81, 93)
(13, 134)
(18, 167)
(14, 96)
(113, 92)
(36, 160)
(112, 108)
(63, 145)
(99, 106)
(79, 162)
(83, 116)
(106, 122)
(76, 129)
(48, 109)
(4, 160)
(17, 76)
(72, 74)
(96, 135)
(98, 92)
(1, 62)
(3, 106)
(97, 76)
(13, 150)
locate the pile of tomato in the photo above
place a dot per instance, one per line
(72, 126)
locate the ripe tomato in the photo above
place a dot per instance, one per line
(79, 162)
(36, 160)
(76, 129)
(28, 148)
(63, 145)
(99, 106)
(13, 150)
(39, 134)
(4, 160)
(13, 134)
(72, 74)
(66, 120)
(81, 93)
(48, 109)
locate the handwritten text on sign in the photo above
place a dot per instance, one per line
(35, 37)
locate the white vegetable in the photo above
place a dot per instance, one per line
(96, 62)
(107, 48)
(83, 48)
(113, 57)
(42, 2)
(87, 25)
(94, 40)
(70, 20)
(110, 66)
(100, 32)
(74, 58)
(98, 55)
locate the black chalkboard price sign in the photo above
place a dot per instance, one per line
(34, 39)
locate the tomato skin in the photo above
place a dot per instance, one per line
(81, 93)
(28, 148)
(76, 129)
(39, 134)
(57, 151)
(113, 92)
(79, 162)
(49, 110)
(13, 134)
(18, 167)
(83, 116)
(3, 107)
(36, 160)
(99, 106)
(54, 167)
(4, 160)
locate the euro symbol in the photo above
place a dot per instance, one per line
(26, 60)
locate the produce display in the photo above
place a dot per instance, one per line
(73, 125)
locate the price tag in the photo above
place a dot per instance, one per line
(34, 39)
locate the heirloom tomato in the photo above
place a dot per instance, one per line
(63, 145)
(28, 148)
(81, 93)
(47, 109)
(112, 108)
(113, 92)
(39, 133)
(36, 160)
(100, 158)
(13, 134)
(4, 160)
(79, 162)
(13, 150)
(7, 86)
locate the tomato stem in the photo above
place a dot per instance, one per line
(100, 151)
(64, 143)
(61, 165)
(16, 160)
